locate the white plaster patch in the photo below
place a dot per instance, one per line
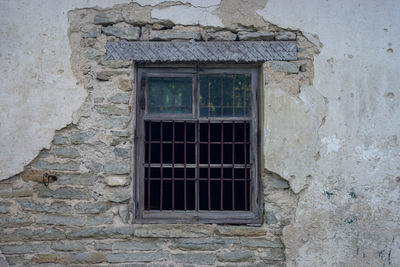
(188, 15)
(196, 3)
(332, 144)
(370, 152)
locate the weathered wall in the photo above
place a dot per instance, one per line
(332, 133)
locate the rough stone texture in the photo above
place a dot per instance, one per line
(67, 246)
(283, 66)
(61, 220)
(251, 36)
(92, 208)
(135, 257)
(177, 33)
(123, 31)
(116, 180)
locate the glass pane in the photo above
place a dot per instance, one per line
(225, 95)
(170, 95)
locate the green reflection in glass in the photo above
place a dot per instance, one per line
(170, 95)
(225, 95)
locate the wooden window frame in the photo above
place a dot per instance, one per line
(140, 215)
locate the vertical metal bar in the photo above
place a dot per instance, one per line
(173, 162)
(245, 166)
(184, 164)
(148, 169)
(222, 166)
(197, 196)
(209, 170)
(233, 166)
(161, 165)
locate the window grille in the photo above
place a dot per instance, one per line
(197, 144)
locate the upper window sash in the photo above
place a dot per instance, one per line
(217, 102)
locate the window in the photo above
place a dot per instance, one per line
(196, 145)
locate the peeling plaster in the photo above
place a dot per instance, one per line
(188, 15)
(194, 3)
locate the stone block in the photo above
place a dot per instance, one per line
(123, 213)
(25, 248)
(261, 243)
(35, 176)
(116, 180)
(88, 258)
(107, 18)
(125, 84)
(169, 230)
(273, 254)
(195, 258)
(285, 36)
(92, 207)
(60, 139)
(210, 244)
(117, 167)
(59, 207)
(235, 256)
(76, 178)
(67, 246)
(5, 206)
(119, 197)
(174, 34)
(116, 122)
(60, 220)
(270, 216)
(122, 153)
(91, 31)
(24, 191)
(82, 137)
(52, 258)
(100, 220)
(115, 64)
(121, 133)
(98, 100)
(62, 166)
(92, 53)
(23, 234)
(220, 36)
(112, 110)
(65, 152)
(123, 232)
(138, 244)
(15, 221)
(240, 231)
(120, 98)
(256, 36)
(136, 257)
(123, 30)
(284, 66)
(63, 193)
(103, 246)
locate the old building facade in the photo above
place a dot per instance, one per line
(324, 179)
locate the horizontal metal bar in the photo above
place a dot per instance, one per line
(194, 179)
(181, 165)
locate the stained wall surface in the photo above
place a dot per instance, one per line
(333, 136)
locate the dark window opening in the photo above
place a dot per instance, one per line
(196, 146)
(206, 171)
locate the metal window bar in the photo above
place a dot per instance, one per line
(209, 166)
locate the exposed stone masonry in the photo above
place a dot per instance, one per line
(84, 216)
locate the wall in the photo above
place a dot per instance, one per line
(337, 146)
